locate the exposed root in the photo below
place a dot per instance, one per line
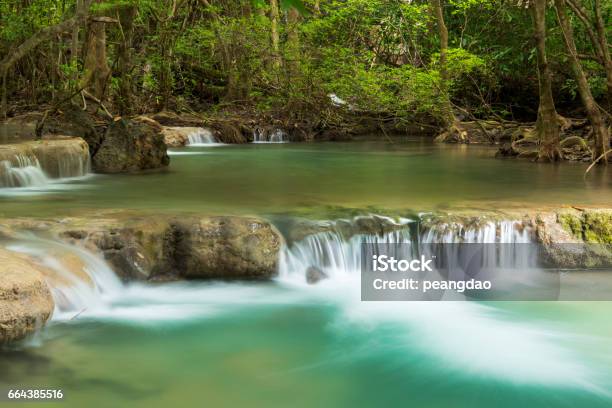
(575, 142)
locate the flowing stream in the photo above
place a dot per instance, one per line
(29, 171)
(286, 342)
(201, 137)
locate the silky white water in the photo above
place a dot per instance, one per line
(475, 340)
(201, 137)
(28, 172)
(465, 336)
(25, 172)
(274, 136)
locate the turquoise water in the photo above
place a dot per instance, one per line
(271, 178)
(268, 346)
(285, 343)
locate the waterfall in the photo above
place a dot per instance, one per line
(79, 280)
(275, 136)
(339, 257)
(464, 336)
(505, 232)
(38, 164)
(201, 137)
(23, 171)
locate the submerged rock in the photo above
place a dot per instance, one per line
(25, 299)
(315, 275)
(130, 146)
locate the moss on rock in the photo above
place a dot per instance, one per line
(571, 222)
(597, 226)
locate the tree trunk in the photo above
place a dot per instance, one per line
(547, 127)
(293, 41)
(97, 70)
(600, 131)
(596, 31)
(274, 17)
(603, 42)
(74, 47)
(448, 116)
(124, 61)
(451, 124)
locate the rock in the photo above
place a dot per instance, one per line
(19, 128)
(576, 238)
(315, 275)
(166, 118)
(130, 146)
(507, 150)
(224, 247)
(597, 226)
(78, 123)
(25, 299)
(148, 121)
(59, 157)
(163, 248)
(345, 223)
(178, 136)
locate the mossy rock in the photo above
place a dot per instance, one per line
(571, 222)
(597, 226)
(591, 226)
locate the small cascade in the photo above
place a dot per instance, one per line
(334, 255)
(275, 136)
(79, 280)
(503, 232)
(201, 137)
(339, 257)
(22, 171)
(37, 164)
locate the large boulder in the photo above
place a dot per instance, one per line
(25, 299)
(224, 247)
(76, 122)
(169, 248)
(130, 146)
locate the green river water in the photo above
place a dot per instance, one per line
(287, 344)
(272, 178)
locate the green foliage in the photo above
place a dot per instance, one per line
(381, 56)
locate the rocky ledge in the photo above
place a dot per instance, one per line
(165, 247)
(25, 299)
(115, 145)
(571, 237)
(58, 157)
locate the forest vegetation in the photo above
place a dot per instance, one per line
(534, 74)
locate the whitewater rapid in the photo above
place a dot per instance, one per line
(467, 337)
